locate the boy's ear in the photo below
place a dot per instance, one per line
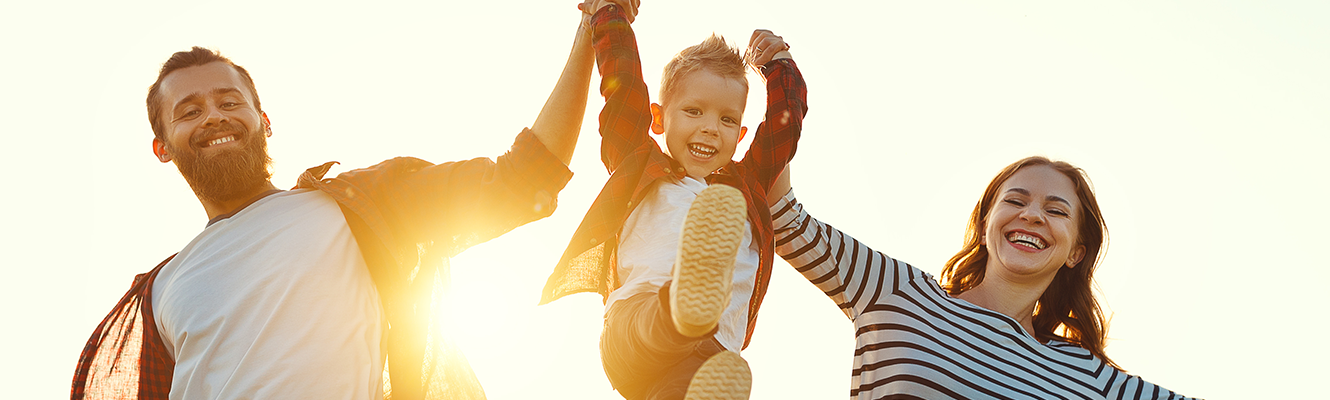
(657, 119)
(743, 131)
(159, 150)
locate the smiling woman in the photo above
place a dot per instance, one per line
(1017, 318)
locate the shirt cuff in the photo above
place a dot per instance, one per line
(541, 173)
(606, 15)
(770, 66)
(785, 211)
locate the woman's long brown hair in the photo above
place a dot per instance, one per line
(1069, 301)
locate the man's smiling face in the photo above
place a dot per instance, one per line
(213, 131)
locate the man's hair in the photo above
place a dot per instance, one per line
(713, 55)
(194, 57)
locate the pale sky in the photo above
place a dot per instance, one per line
(1201, 123)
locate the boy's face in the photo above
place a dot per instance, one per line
(702, 121)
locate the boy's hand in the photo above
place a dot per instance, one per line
(629, 7)
(764, 47)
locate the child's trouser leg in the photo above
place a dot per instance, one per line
(643, 355)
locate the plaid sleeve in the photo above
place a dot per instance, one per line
(626, 118)
(777, 136)
(462, 203)
(125, 357)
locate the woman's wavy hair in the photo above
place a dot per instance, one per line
(1067, 310)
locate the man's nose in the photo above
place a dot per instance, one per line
(214, 116)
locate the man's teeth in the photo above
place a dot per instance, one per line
(702, 151)
(1031, 240)
(220, 140)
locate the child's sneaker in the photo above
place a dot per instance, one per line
(704, 272)
(725, 376)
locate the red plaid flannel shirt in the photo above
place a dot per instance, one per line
(407, 216)
(635, 161)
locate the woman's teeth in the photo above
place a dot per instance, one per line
(1029, 240)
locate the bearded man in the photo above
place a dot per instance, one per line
(324, 290)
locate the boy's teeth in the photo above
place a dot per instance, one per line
(701, 151)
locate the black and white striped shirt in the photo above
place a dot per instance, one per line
(913, 340)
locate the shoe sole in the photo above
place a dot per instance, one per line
(708, 245)
(724, 376)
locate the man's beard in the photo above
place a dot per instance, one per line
(229, 174)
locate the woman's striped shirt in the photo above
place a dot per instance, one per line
(913, 340)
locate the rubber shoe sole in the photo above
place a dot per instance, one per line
(724, 376)
(704, 272)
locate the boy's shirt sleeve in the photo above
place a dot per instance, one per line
(626, 118)
(777, 136)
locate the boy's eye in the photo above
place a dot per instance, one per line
(692, 111)
(729, 120)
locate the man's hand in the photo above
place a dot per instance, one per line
(764, 47)
(629, 7)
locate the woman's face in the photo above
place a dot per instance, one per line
(1032, 229)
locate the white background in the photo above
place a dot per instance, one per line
(1203, 125)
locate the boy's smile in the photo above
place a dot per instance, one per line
(701, 121)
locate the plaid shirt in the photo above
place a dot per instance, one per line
(635, 162)
(408, 216)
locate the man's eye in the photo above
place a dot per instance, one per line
(230, 105)
(190, 114)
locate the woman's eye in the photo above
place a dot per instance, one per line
(1013, 202)
(1057, 212)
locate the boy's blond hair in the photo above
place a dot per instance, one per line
(713, 54)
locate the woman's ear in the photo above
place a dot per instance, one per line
(1076, 255)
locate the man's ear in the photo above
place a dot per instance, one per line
(159, 150)
(657, 119)
(267, 125)
(743, 130)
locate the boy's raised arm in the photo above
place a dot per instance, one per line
(777, 136)
(626, 117)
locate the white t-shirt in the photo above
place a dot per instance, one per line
(649, 245)
(273, 302)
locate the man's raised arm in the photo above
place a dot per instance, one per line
(560, 120)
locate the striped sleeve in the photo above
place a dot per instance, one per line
(1126, 386)
(847, 271)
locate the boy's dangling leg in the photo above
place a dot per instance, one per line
(643, 355)
(703, 280)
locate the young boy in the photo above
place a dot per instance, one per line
(682, 285)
